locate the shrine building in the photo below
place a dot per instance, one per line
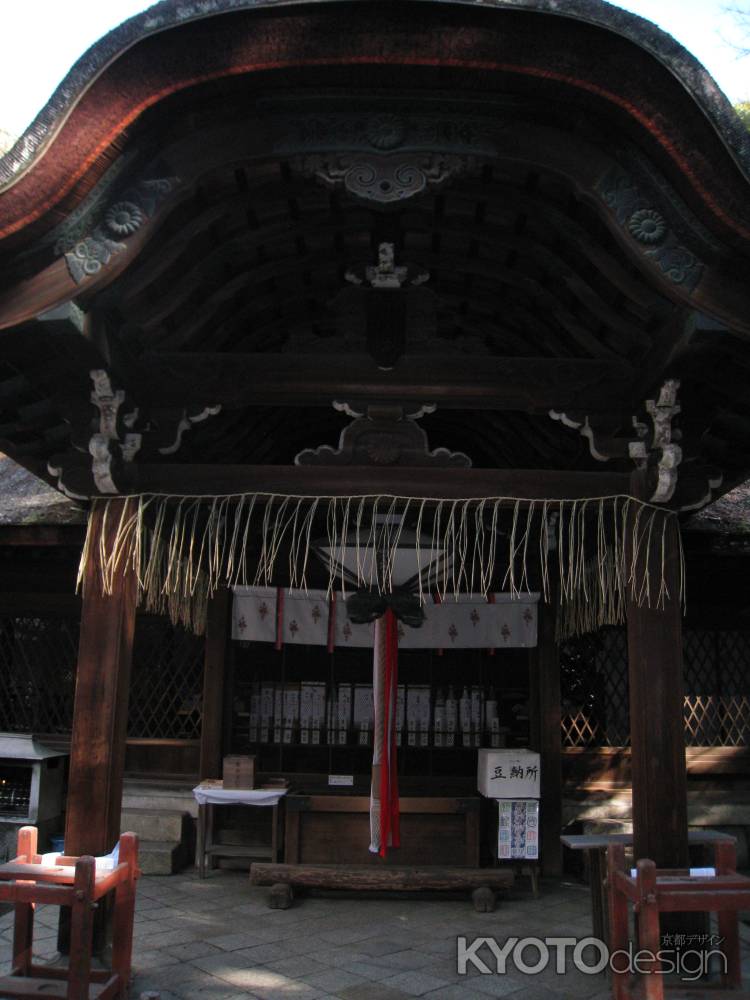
(384, 368)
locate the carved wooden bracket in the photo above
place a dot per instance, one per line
(384, 435)
(386, 274)
(114, 436)
(658, 451)
(655, 450)
(392, 312)
(108, 403)
(603, 445)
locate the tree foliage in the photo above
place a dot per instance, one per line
(743, 110)
(741, 15)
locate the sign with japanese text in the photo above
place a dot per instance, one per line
(508, 774)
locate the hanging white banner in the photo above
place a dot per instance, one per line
(265, 614)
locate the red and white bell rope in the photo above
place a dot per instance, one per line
(384, 811)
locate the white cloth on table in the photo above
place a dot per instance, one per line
(206, 795)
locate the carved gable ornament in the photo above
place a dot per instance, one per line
(385, 436)
(383, 180)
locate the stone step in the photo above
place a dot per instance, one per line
(149, 794)
(157, 824)
(162, 857)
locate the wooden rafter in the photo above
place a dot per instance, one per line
(239, 380)
(223, 480)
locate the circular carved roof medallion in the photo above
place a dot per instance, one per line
(648, 226)
(123, 218)
(386, 131)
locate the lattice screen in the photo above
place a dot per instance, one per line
(717, 688)
(594, 675)
(37, 673)
(167, 682)
(37, 677)
(594, 681)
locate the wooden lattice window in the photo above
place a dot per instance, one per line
(594, 687)
(594, 674)
(37, 672)
(167, 681)
(38, 655)
(717, 688)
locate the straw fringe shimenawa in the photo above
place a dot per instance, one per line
(600, 552)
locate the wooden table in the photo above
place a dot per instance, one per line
(596, 844)
(210, 796)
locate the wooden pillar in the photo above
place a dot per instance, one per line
(214, 672)
(657, 729)
(100, 711)
(544, 688)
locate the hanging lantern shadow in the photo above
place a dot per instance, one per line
(387, 565)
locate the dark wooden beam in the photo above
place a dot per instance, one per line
(97, 749)
(71, 535)
(235, 381)
(34, 295)
(33, 572)
(67, 604)
(657, 728)
(224, 480)
(217, 642)
(54, 285)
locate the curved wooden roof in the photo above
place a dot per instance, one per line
(573, 182)
(170, 14)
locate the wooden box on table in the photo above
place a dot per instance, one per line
(239, 771)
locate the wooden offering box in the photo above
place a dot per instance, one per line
(239, 771)
(336, 829)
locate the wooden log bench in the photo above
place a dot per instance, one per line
(483, 883)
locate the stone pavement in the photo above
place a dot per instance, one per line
(217, 940)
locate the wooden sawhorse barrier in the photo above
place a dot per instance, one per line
(284, 878)
(72, 882)
(654, 891)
